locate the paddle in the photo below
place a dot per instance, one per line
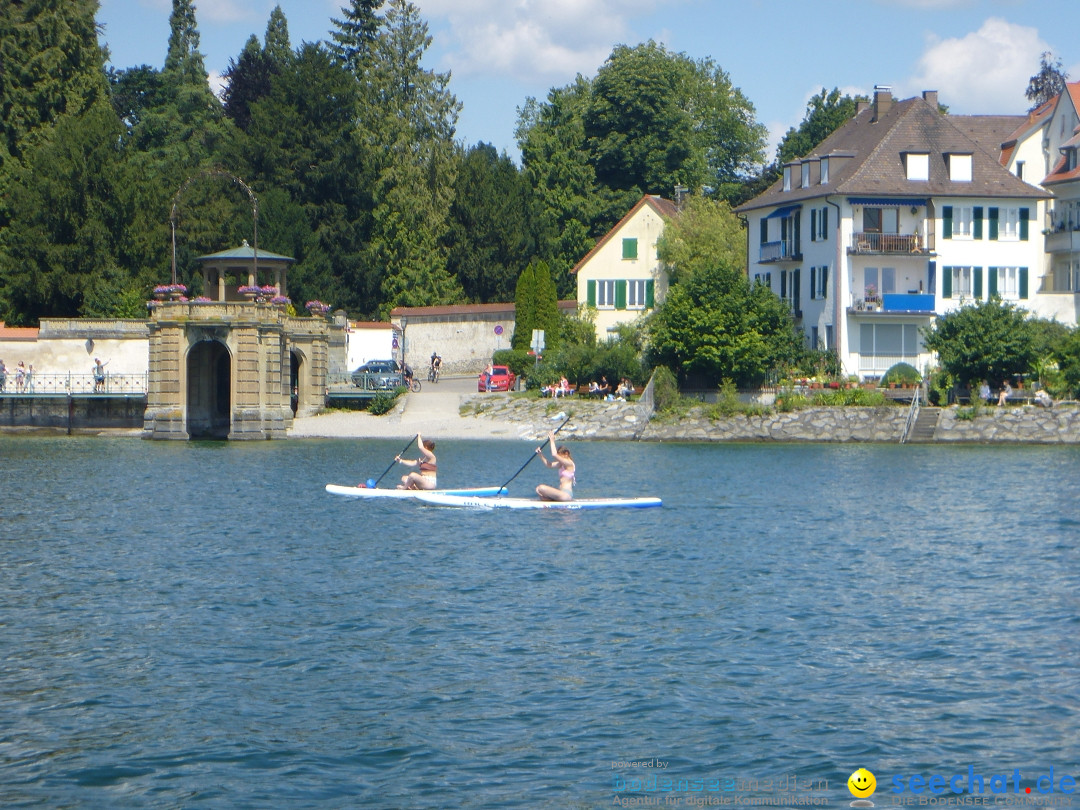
(526, 464)
(392, 463)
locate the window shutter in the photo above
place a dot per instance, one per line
(629, 248)
(796, 291)
(946, 283)
(783, 283)
(824, 271)
(976, 226)
(1023, 224)
(813, 283)
(946, 222)
(993, 212)
(813, 225)
(991, 282)
(650, 294)
(796, 244)
(590, 294)
(825, 222)
(1024, 280)
(764, 230)
(620, 294)
(976, 283)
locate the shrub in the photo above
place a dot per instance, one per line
(902, 373)
(383, 401)
(787, 401)
(665, 389)
(518, 361)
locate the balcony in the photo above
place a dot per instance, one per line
(783, 251)
(896, 304)
(886, 243)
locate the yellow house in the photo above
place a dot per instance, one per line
(621, 277)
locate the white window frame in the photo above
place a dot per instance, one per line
(806, 175)
(605, 293)
(821, 283)
(962, 282)
(960, 168)
(1008, 225)
(918, 166)
(1008, 282)
(824, 171)
(1066, 276)
(787, 178)
(635, 293)
(821, 235)
(963, 219)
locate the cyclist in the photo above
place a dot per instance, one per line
(436, 363)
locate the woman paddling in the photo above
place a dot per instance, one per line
(560, 457)
(424, 477)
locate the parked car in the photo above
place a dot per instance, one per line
(378, 374)
(502, 379)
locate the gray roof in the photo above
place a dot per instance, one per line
(875, 148)
(244, 253)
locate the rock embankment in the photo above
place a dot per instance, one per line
(588, 418)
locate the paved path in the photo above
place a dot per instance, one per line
(434, 412)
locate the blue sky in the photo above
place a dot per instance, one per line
(979, 54)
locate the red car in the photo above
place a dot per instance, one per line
(502, 379)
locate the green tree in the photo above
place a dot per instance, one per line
(247, 79)
(491, 233)
(355, 36)
(524, 309)
(546, 313)
(706, 234)
(715, 325)
(825, 113)
(50, 65)
(276, 44)
(1048, 83)
(992, 340)
(133, 91)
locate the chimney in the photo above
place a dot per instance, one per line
(882, 101)
(930, 97)
(861, 105)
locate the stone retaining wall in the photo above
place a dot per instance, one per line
(593, 419)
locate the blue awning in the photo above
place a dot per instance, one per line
(786, 211)
(885, 202)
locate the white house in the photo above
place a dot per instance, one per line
(901, 214)
(621, 277)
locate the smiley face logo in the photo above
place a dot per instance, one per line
(862, 783)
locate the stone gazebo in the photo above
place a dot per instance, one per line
(235, 364)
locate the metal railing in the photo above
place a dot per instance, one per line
(52, 384)
(912, 416)
(886, 242)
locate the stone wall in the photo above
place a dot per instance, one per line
(1026, 424)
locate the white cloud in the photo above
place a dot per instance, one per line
(223, 11)
(986, 71)
(533, 40)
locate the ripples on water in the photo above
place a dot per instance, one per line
(202, 625)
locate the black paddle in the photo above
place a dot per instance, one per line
(392, 463)
(526, 464)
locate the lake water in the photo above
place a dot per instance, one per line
(202, 625)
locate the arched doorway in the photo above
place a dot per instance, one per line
(295, 362)
(209, 387)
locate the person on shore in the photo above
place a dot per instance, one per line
(1006, 392)
(489, 372)
(426, 466)
(28, 383)
(561, 458)
(99, 375)
(3, 376)
(1043, 399)
(20, 378)
(625, 389)
(984, 391)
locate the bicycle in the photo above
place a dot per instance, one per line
(433, 374)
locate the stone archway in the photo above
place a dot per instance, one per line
(209, 390)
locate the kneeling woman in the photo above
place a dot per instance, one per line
(560, 457)
(425, 475)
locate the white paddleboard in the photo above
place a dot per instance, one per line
(479, 502)
(368, 492)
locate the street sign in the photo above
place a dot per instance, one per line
(498, 329)
(537, 340)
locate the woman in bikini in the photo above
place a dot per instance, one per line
(560, 457)
(424, 477)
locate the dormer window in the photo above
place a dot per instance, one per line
(918, 166)
(960, 168)
(787, 178)
(1070, 159)
(825, 171)
(806, 175)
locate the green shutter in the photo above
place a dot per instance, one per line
(976, 283)
(976, 227)
(796, 243)
(1024, 280)
(946, 223)
(813, 224)
(590, 293)
(620, 294)
(629, 248)
(946, 282)
(1023, 224)
(825, 221)
(991, 282)
(764, 230)
(993, 212)
(650, 294)
(824, 280)
(813, 283)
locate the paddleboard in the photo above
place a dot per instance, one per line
(370, 492)
(478, 502)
